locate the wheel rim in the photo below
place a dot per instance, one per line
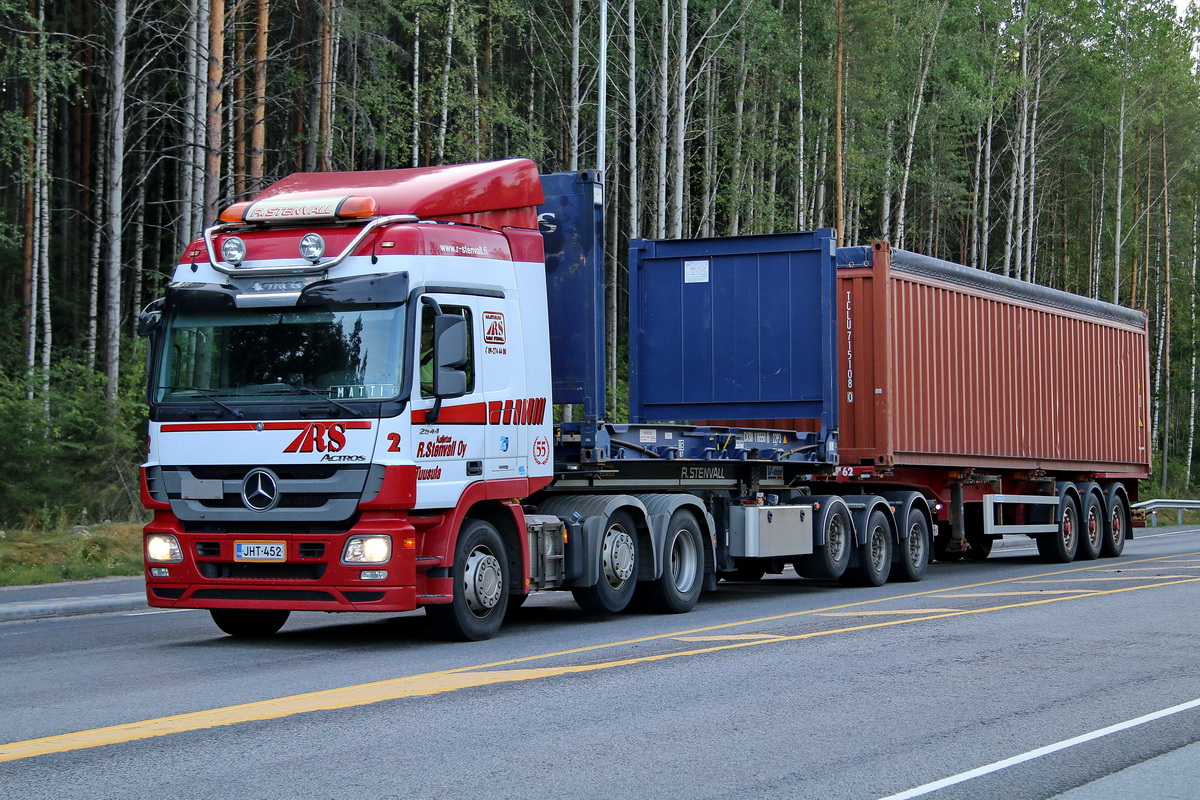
(617, 556)
(683, 561)
(1118, 526)
(483, 581)
(1094, 530)
(836, 538)
(1068, 527)
(878, 547)
(916, 544)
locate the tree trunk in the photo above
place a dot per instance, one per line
(739, 107)
(839, 208)
(914, 118)
(635, 183)
(1165, 367)
(1120, 198)
(680, 124)
(258, 114)
(114, 211)
(660, 133)
(416, 93)
(451, 16)
(573, 126)
(216, 76)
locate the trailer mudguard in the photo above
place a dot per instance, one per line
(660, 507)
(583, 552)
(822, 505)
(861, 508)
(904, 505)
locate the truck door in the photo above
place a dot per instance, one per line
(449, 449)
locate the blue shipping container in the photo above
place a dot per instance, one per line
(733, 328)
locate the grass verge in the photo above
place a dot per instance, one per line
(77, 554)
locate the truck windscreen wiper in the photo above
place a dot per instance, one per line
(208, 396)
(354, 412)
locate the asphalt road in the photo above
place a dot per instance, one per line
(1003, 679)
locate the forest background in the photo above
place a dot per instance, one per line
(1051, 140)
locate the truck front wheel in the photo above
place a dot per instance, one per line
(480, 586)
(618, 553)
(249, 623)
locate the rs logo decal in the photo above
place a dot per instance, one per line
(528, 411)
(493, 327)
(319, 437)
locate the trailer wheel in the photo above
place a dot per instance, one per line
(249, 623)
(912, 557)
(829, 561)
(1113, 543)
(1060, 547)
(678, 588)
(480, 586)
(874, 554)
(1091, 532)
(618, 568)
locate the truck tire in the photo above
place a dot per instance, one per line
(1060, 547)
(1091, 529)
(678, 588)
(1115, 531)
(874, 554)
(828, 562)
(912, 556)
(618, 553)
(249, 623)
(480, 574)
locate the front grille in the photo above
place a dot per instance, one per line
(307, 493)
(265, 594)
(220, 570)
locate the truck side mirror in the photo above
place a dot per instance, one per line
(151, 317)
(449, 355)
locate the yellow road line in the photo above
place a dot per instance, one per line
(731, 637)
(892, 611)
(1107, 578)
(436, 683)
(1042, 592)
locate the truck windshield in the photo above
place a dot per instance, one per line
(343, 353)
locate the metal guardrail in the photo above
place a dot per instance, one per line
(1151, 507)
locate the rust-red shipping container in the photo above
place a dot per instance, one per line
(942, 365)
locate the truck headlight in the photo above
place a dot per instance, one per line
(163, 548)
(367, 550)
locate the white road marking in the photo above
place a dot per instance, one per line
(996, 766)
(161, 611)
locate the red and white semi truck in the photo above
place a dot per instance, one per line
(352, 381)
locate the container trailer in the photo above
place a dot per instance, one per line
(352, 380)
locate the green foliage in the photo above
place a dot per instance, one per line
(63, 552)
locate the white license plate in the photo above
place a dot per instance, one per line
(260, 551)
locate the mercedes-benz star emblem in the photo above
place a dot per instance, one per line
(260, 490)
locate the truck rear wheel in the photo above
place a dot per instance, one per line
(1115, 531)
(912, 557)
(480, 586)
(1091, 532)
(249, 623)
(874, 554)
(1060, 547)
(828, 562)
(678, 588)
(618, 568)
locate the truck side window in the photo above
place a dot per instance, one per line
(426, 363)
